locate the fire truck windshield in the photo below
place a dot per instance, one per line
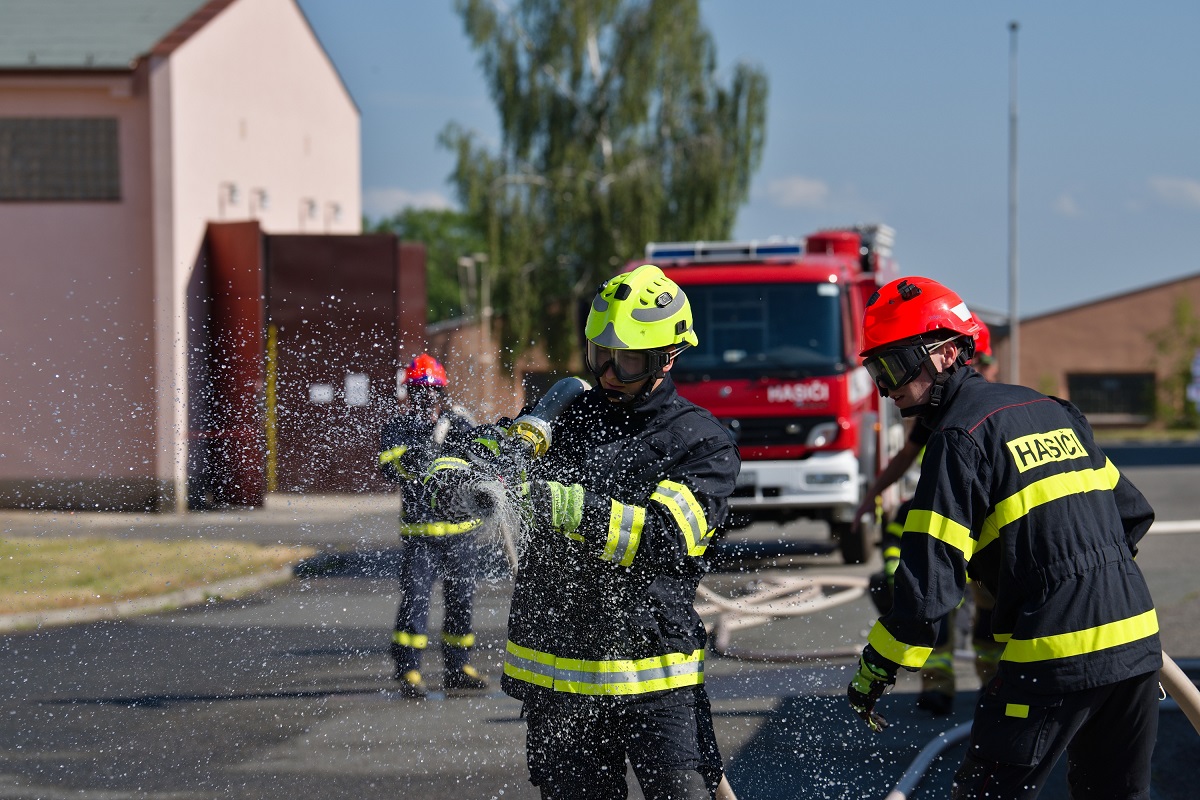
(783, 330)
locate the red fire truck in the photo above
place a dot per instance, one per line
(778, 365)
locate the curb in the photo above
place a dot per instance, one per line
(225, 590)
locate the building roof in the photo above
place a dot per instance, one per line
(87, 34)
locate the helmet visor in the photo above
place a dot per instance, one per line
(629, 366)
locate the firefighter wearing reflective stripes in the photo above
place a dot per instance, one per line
(433, 546)
(1015, 493)
(604, 645)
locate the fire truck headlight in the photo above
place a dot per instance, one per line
(822, 434)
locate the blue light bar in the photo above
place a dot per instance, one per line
(701, 252)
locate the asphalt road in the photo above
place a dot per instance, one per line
(287, 694)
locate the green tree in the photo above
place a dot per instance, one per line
(447, 236)
(614, 132)
(1176, 344)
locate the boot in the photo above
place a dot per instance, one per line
(467, 678)
(411, 685)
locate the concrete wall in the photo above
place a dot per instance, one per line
(77, 409)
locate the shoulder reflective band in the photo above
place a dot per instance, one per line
(392, 457)
(1046, 490)
(417, 641)
(437, 528)
(943, 529)
(614, 677)
(1078, 643)
(688, 514)
(625, 523)
(888, 646)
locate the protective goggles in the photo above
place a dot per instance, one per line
(898, 365)
(629, 366)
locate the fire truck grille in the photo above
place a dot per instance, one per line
(768, 431)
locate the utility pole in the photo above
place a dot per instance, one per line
(1014, 334)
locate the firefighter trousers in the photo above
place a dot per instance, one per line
(1107, 732)
(578, 750)
(424, 559)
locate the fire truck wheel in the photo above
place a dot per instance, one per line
(855, 547)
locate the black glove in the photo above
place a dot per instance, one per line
(457, 490)
(867, 686)
(488, 448)
(406, 462)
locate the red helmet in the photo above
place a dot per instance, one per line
(911, 307)
(983, 342)
(424, 370)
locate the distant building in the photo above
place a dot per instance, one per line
(1101, 355)
(125, 128)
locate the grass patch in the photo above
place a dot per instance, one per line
(39, 574)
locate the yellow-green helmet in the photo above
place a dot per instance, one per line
(640, 310)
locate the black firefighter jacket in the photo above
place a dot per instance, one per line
(1015, 492)
(406, 446)
(607, 611)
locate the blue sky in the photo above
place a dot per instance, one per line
(883, 111)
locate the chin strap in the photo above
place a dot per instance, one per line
(939, 389)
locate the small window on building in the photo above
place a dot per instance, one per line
(59, 159)
(1113, 398)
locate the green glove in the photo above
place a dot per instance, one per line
(558, 505)
(865, 689)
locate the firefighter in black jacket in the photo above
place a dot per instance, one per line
(604, 647)
(1015, 494)
(435, 545)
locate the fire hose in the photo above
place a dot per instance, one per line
(1176, 683)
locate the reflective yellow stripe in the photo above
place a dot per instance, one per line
(891, 552)
(625, 523)
(688, 514)
(941, 528)
(1054, 487)
(393, 454)
(608, 677)
(418, 641)
(894, 650)
(466, 640)
(392, 458)
(1019, 710)
(448, 462)
(438, 528)
(1078, 643)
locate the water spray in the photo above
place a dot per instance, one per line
(527, 439)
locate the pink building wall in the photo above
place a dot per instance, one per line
(76, 309)
(93, 296)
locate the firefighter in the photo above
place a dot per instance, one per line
(605, 649)
(937, 675)
(1015, 493)
(435, 545)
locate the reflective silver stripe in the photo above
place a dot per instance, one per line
(688, 514)
(625, 524)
